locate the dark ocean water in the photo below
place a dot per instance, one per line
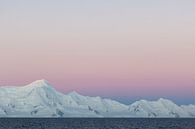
(95, 123)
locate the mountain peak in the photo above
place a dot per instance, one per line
(40, 83)
(164, 100)
(74, 93)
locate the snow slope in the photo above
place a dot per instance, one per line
(40, 99)
(159, 108)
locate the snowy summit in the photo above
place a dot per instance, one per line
(40, 99)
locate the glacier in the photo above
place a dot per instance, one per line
(40, 99)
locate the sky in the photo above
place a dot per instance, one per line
(125, 50)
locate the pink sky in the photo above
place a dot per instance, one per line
(127, 49)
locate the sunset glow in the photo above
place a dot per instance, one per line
(114, 49)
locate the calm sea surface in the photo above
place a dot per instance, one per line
(95, 123)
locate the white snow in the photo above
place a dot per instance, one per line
(40, 99)
(159, 108)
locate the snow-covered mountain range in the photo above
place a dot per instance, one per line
(40, 99)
